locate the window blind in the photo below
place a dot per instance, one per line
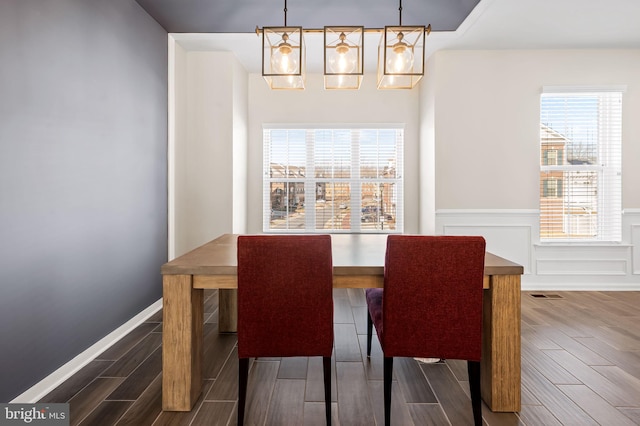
(333, 179)
(581, 166)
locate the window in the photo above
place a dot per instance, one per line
(551, 157)
(551, 188)
(580, 165)
(333, 179)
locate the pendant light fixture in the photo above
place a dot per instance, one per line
(401, 55)
(283, 56)
(343, 57)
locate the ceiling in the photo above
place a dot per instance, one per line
(226, 25)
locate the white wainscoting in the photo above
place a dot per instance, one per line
(514, 235)
(634, 225)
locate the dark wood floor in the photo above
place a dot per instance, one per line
(580, 366)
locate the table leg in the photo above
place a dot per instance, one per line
(183, 318)
(227, 310)
(500, 365)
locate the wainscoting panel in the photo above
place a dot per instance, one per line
(508, 233)
(581, 267)
(501, 240)
(514, 235)
(635, 242)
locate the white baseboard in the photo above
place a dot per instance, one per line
(53, 380)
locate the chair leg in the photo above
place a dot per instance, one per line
(243, 377)
(369, 333)
(473, 367)
(326, 366)
(388, 376)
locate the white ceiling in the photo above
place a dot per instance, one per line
(493, 24)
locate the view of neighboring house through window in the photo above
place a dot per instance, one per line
(580, 165)
(333, 179)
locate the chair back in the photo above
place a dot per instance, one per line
(285, 295)
(432, 303)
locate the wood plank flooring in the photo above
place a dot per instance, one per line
(580, 366)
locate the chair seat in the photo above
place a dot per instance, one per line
(374, 303)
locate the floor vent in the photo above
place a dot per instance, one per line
(546, 296)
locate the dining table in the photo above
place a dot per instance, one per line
(358, 262)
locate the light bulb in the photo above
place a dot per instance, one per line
(401, 61)
(345, 59)
(282, 60)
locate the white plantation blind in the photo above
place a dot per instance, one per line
(333, 179)
(581, 165)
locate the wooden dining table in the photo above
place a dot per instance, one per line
(358, 262)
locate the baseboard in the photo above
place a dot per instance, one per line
(53, 380)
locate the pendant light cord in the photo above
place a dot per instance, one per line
(399, 10)
(285, 13)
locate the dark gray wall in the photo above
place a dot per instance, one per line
(242, 16)
(83, 192)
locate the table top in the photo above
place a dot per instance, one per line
(353, 254)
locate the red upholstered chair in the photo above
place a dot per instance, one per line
(431, 305)
(285, 303)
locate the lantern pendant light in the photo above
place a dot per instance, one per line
(401, 55)
(343, 57)
(283, 56)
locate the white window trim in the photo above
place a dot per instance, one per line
(574, 90)
(310, 186)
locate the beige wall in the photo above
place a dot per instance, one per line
(475, 116)
(471, 150)
(427, 170)
(209, 148)
(315, 105)
(486, 120)
(485, 115)
(240, 146)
